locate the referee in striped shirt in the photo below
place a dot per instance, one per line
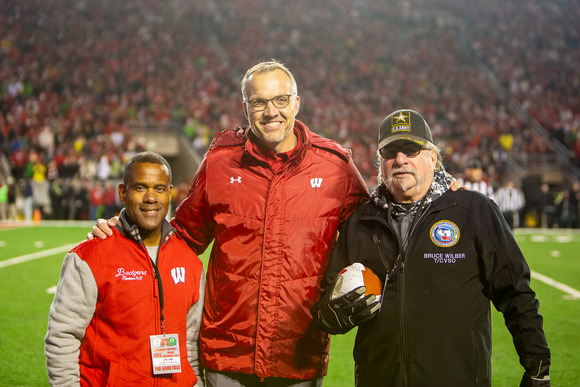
(510, 200)
(474, 178)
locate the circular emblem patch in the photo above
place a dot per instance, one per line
(444, 233)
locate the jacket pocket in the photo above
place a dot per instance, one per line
(481, 342)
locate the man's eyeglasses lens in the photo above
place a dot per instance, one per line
(409, 150)
(279, 101)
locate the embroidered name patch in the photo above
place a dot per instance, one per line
(130, 275)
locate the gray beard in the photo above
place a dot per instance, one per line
(392, 179)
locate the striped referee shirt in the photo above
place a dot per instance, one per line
(510, 199)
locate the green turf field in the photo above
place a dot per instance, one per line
(26, 285)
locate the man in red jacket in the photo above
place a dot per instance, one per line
(271, 198)
(127, 309)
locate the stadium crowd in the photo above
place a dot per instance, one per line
(77, 76)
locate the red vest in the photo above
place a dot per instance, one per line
(115, 349)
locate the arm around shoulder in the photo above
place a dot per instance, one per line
(356, 191)
(102, 228)
(191, 220)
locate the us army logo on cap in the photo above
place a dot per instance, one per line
(401, 122)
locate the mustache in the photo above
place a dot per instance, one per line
(403, 183)
(395, 171)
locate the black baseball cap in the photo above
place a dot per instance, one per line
(404, 124)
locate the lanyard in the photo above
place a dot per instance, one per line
(161, 299)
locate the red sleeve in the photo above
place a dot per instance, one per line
(191, 217)
(356, 191)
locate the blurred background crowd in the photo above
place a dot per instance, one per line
(498, 81)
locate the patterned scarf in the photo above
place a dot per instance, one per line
(382, 198)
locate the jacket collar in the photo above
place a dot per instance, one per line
(131, 231)
(445, 200)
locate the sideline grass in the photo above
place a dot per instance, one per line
(25, 304)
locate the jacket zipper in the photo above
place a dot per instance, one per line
(378, 242)
(402, 329)
(402, 293)
(258, 358)
(158, 314)
(402, 287)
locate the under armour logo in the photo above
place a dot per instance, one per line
(237, 180)
(178, 274)
(316, 182)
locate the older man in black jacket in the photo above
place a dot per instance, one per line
(443, 256)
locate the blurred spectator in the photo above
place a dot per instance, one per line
(548, 208)
(574, 199)
(12, 195)
(40, 188)
(28, 198)
(84, 200)
(76, 195)
(116, 167)
(87, 168)
(51, 170)
(474, 178)
(109, 200)
(18, 159)
(38, 170)
(45, 140)
(178, 194)
(567, 208)
(96, 203)
(103, 168)
(56, 193)
(511, 201)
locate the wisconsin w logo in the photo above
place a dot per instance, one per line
(178, 274)
(316, 182)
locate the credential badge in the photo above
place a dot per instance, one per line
(445, 233)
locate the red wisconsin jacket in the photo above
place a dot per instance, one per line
(274, 229)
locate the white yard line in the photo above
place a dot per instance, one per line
(571, 293)
(37, 255)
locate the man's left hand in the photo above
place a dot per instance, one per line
(528, 381)
(341, 314)
(537, 373)
(455, 185)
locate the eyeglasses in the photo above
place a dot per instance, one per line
(409, 149)
(279, 101)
